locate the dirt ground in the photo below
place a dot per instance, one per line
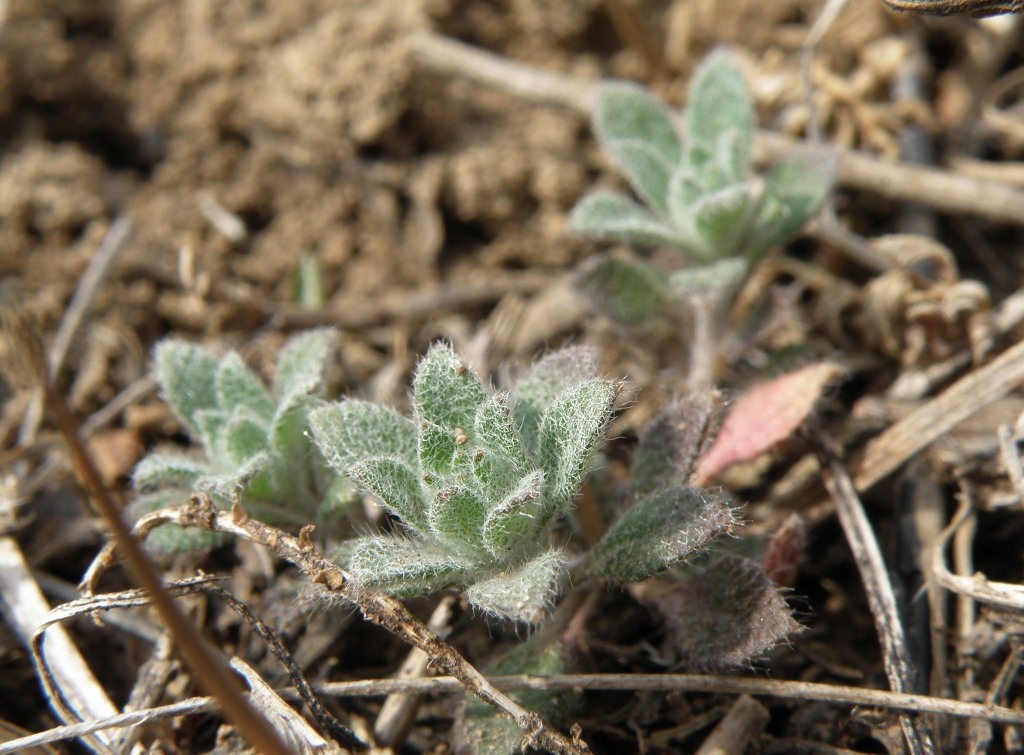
(241, 137)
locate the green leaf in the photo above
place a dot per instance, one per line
(227, 483)
(718, 102)
(440, 454)
(722, 217)
(457, 517)
(245, 435)
(570, 432)
(525, 594)
(211, 423)
(499, 460)
(302, 364)
(404, 566)
(168, 469)
(396, 485)
(614, 217)
(512, 526)
(542, 384)
(446, 392)
(715, 278)
(665, 527)
(794, 191)
(351, 430)
(238, 386)
(629, 291)
(637, 131)
(187, 377)
(308, 284)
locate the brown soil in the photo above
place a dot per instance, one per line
(434, 206)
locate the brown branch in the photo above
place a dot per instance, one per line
(882, 600)
(375, 606)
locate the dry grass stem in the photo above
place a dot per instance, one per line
(902, 676)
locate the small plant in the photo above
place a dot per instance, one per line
(476, 479)
(254, 442)
(700, 194)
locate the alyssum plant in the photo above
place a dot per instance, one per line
(699, 193)
(254, 442)
(477, 479)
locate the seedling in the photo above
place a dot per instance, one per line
(699, 195)
(254, 442)
(477, 479)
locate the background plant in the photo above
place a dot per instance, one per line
(699, 195)
(252, 441)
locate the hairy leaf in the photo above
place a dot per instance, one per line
(637, 130)
(719, 102)
(725, 618)
(457, 517)
(629, 291)
(720, 218)
(446, 392)
(665, 527)
(351, 430)
(513, 524)
(606, 215)
(672, 442)
(404, 566)
(187, 377)
(524, 594)
(543, 383)
(396, 485)
(168, 469)
(302, 363)
(794, 191)
(570, 432)
(245, 435)
(498, 457)
(238, 386)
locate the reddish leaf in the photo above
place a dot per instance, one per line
(785, 551)
(765, 416)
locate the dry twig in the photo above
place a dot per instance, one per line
(868, 557)
(377, 607)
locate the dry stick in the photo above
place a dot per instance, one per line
(786, 690)
(744, 721)
(375, 606)
(881, 599)
(940, 189)
(890, 450)
(409, 305)
(1003, 595)
(398, 711)
(88, 286)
